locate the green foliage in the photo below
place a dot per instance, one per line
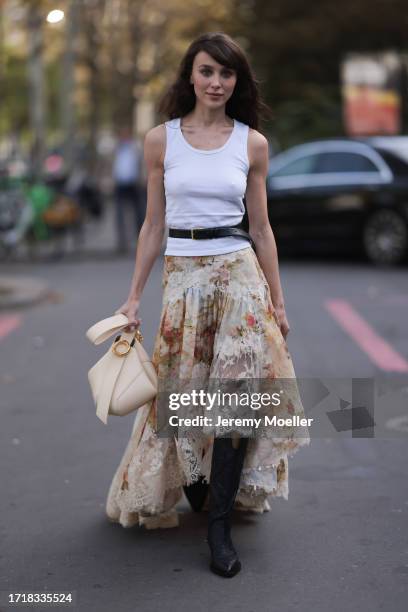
(14, 108)
(130, 49)
(296, 48)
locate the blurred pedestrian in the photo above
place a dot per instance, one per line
(128, 188)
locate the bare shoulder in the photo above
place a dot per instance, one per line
(156, 135)
(258, 148)
(155, 144)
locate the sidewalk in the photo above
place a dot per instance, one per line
(99, 240)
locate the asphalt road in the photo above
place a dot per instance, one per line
(340, 541)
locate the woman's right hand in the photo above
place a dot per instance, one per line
(130, 308)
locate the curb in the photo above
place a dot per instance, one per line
(21, 291)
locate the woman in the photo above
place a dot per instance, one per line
(223, 315)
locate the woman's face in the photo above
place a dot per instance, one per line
(213, 82)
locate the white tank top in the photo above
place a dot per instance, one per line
(205, 188)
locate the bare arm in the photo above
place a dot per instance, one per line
(259, 226)
(152, 231)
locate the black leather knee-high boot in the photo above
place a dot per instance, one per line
(226, 468)
(196, 494)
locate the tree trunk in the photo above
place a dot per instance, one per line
(68, 82)
(36, 87)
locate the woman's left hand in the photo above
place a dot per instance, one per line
(283, 321)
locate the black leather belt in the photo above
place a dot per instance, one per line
(203, 233)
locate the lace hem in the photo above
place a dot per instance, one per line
(153, 470)
(163, 520)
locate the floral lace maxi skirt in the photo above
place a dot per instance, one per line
(217, 321)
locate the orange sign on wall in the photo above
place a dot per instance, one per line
(371, 94)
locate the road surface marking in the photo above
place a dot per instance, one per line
(9, 324)
(378, 349)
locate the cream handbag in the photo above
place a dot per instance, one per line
(124, 379)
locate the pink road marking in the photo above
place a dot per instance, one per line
(379, 351)
(8, 324)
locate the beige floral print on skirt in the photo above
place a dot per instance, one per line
(217, 322)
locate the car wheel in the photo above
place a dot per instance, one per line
(385, 237)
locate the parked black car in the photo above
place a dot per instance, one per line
(340, 194)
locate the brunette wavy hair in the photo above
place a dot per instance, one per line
(245, 104)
